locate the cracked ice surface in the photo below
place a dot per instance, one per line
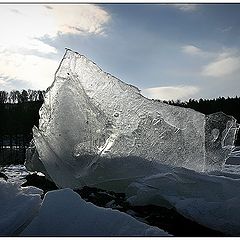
(96, 130)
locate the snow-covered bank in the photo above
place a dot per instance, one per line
(65, 213)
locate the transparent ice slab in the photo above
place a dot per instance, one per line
(96, 130)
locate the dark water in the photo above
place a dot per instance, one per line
(13, 148)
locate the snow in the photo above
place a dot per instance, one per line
(18, 206)
(90, 120)
(213, 201)
(65, 213)
(62, 213)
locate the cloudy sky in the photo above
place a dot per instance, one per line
(169, 51)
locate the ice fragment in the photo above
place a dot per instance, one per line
(96, 130)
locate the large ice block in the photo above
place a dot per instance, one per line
(64, 213)
(96, 130)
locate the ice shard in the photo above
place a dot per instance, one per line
(18, 206)
(82, 219)
(96, 130)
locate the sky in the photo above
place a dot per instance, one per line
(169, 51)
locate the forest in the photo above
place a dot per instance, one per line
(19, 112)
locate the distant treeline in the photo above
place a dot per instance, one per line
(230, 106)
(16, 96)
(19, 112)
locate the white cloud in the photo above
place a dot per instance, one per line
(227, 52)
(23, 27)
(171, 92)
(225, 63)
(80, 19)
(26, 24)
(196, 51)
(222, 67)
(186, 7)
(192, 50)
(33, 70)
(2, 82)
